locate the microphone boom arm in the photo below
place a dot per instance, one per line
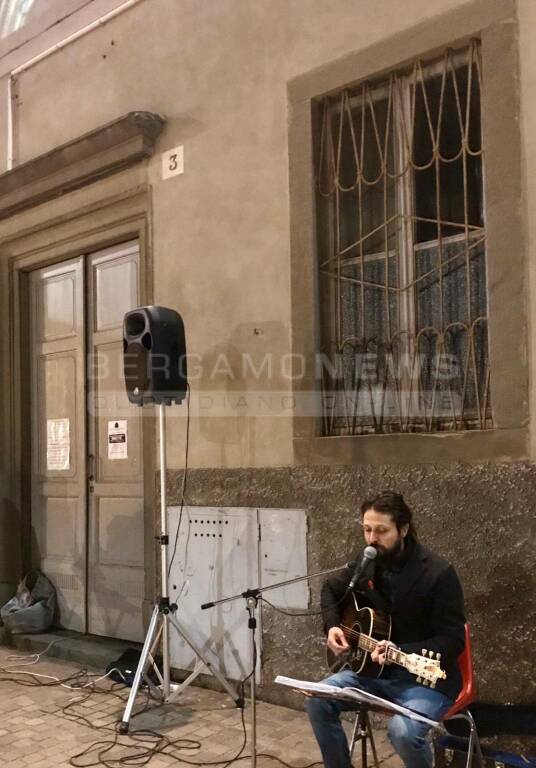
(256, 591)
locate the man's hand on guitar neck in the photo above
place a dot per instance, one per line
(379, 653)
(337, 641)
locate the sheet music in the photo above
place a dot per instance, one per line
(354, 694)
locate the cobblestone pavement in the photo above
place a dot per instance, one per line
(46, 727)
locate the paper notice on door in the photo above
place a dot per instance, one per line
(58, 444)
(117, 440)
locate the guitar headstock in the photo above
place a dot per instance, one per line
(426, 667)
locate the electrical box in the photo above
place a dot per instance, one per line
(221, 552)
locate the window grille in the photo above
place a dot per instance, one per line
(401, 252)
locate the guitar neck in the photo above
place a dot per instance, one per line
(367, 643)
(425, 667)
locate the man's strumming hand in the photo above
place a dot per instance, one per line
(337, 641)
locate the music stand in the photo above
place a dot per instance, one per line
(364, 702)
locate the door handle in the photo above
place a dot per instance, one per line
(91, 470)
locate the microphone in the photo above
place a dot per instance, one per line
(369, 554)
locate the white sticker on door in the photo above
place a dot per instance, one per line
(58, 444)
(117, 439)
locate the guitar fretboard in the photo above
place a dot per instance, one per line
(367, 643)
(426, 668)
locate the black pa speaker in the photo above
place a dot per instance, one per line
(154, 356)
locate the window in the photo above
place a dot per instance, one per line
(401, 252)
(13, 15)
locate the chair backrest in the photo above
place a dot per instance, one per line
(468, 692)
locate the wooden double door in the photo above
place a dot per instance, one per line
(86, 443)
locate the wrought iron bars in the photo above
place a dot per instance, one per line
(401, 243)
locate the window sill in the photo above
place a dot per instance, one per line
(489, 445)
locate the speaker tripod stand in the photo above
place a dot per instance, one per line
(162, 618)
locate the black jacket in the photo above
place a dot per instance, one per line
(427, 609)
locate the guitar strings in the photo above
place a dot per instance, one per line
(370, 641)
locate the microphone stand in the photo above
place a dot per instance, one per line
(251, 597)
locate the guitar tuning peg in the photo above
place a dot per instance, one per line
(438, 656)
(432, 685)
(419, 680)
(425, 682)
(424, 651)
(431, 654)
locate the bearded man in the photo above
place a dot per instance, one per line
(424, 598)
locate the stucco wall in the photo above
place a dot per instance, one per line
(480, 517)
(218, 72)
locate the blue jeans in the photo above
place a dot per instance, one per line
(407, 736)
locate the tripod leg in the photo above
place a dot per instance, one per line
(179, 688)
(144, 658)
(152, 654)
(216, 672)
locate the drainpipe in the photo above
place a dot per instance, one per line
(10, 82)
(36, 59)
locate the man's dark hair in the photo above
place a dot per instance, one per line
(392, 504)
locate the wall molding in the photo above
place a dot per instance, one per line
(101, 152)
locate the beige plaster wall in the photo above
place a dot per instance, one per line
(218, 71)
(45, 24)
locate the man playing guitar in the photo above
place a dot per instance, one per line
(424, 598)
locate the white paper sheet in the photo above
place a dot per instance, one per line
(117, 439)
(58, 444)
(355, 694)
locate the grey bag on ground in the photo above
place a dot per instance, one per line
(32, 608)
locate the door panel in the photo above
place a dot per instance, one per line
(115, 505)
(56, 380)
(87, 507)
(116, 284)
(56, 305)
(57, 528)
(112, 403)
(58, 482)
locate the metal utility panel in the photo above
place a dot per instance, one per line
(283, 555)
(217, 555)
(222, 552)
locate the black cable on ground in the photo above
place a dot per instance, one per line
(147, 743)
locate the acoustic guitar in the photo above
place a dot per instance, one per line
(363, 629)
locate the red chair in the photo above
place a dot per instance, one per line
(459, 710)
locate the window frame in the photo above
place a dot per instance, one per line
(407, 391)
(496, 27)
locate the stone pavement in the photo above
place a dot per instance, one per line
(45, 727)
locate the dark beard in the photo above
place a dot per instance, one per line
(386, 559)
